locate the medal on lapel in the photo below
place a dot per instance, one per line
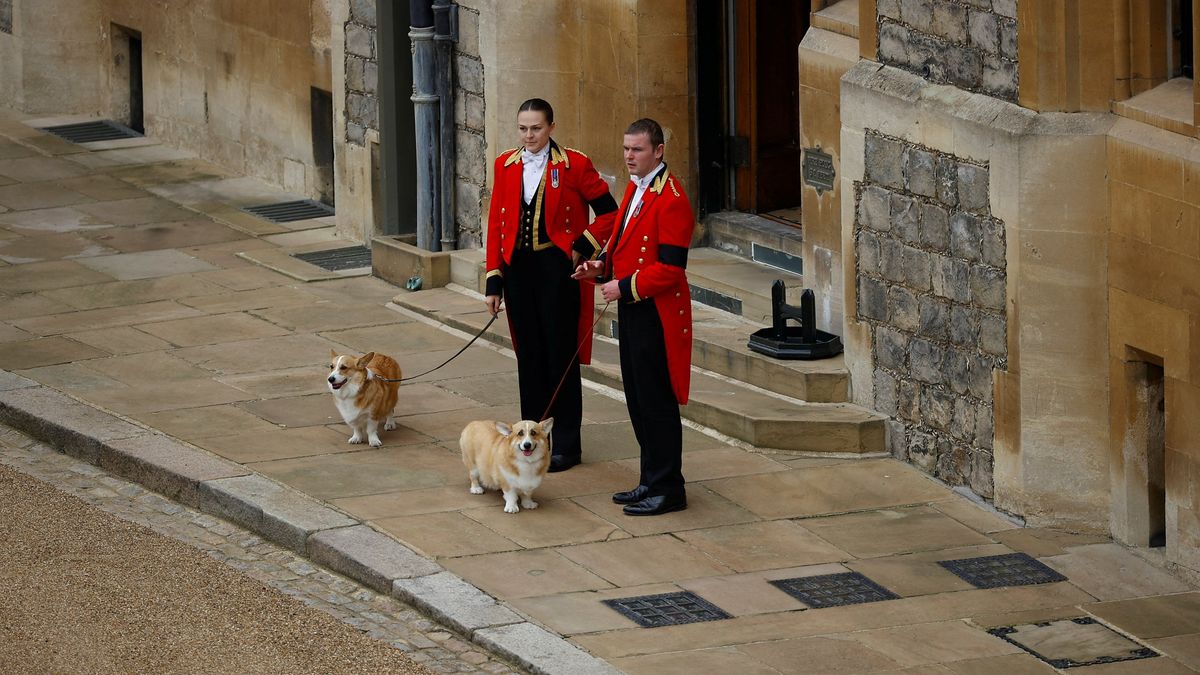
(554, 178)
(637, 209)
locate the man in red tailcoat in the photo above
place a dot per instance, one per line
(643, 271)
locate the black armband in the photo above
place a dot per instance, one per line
(673, 255)
(603, 204)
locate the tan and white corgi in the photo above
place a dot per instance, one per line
(510, 458)
(365, 401)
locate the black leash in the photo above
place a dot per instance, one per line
(563, 379)
(456, 354)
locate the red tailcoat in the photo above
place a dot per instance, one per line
(571, 183)
(650, 260)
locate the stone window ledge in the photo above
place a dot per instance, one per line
(840, 16)
(1169, 106)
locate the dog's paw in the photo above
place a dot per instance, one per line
(528, 504)
(389, 425)
(376, 443)
(511, 508)
(355, 439)
(476, 490)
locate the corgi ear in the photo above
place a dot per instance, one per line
(503, 428)
(365, 359)
(547, 424)
(333, 355)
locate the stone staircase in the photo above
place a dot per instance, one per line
(796, 406)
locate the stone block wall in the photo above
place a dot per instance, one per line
(971, 44)
(362, 106)
(470, 120)
(931, 285)
(6, 14)
(362, 72)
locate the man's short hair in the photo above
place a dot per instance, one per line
(650, 128)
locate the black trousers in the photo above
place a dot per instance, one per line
(653, 409)
(542, 301)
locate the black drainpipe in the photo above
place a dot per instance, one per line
(425, 102)
(445, 21)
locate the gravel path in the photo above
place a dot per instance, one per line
(85, 591)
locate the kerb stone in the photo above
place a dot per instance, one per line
(75, 428)
(454, 602)
(372, 558)
(283, 515)
(540, 651)
(166, 466)
(9, 381)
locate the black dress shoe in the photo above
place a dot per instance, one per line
(633, 496)
(656, 505)
(563, 462)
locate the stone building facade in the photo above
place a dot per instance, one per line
(6, 16)
(1075, 276)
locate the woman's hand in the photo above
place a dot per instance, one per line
(492, 302)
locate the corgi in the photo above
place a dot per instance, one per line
(365, 401)
(510, 458)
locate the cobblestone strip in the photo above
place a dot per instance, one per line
(379, 616)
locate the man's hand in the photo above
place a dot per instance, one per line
(611, 291)
(492, 302)
(575, 258)
(590, 269)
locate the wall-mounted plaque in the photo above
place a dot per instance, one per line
(818, 169)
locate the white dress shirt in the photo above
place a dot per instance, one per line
(642, 184)
(534, 166)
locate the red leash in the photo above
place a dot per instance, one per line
(563, 379)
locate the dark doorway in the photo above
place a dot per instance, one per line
(322, 142)
(126, 90)
(748, 110)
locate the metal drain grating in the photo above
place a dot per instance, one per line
(707, 296)
(996, 571)
(337, 259)
(667, 609)
(90, 132)
(286, 212)
(834, 590)
(1070, 643)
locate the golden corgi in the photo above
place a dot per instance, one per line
(364, 400)
(510, 458)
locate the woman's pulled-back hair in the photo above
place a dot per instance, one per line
(538, 105)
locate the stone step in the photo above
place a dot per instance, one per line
(736, 285)
(734, 408)
(720, 344)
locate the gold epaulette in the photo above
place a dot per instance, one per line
(514, 156)
(557, 155)
(581, 154)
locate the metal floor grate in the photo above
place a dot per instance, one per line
(90, 132)
(336, 259)
(286, 212)
(667, 609)
(834, 590)
(997, 571)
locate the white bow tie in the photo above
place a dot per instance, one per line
(528, 157)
